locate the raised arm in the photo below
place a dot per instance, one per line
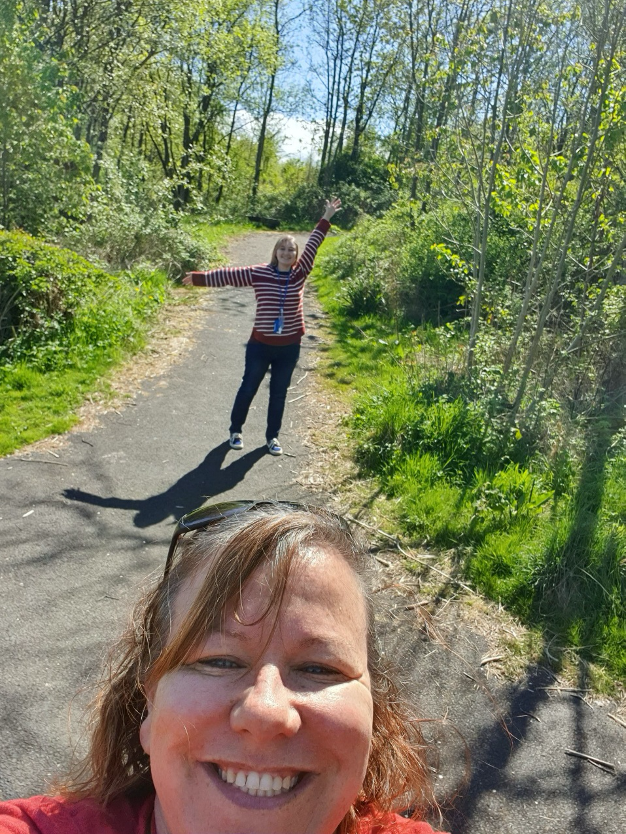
(317, 235)
(224, 276)
(331, 207)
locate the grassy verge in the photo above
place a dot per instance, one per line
(543, 534)
(88, 323)
(36, 404)
(216, 235)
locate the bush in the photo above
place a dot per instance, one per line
(56, 307)
(132, 224)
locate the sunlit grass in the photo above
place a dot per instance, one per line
(34, 405)
(215, 234)
(548, 544)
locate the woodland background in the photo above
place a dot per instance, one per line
(479, 149)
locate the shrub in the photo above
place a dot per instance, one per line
(56, 307)
(132, 224)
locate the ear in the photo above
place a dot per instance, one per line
(145, 728)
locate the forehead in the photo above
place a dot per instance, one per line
(321, 584)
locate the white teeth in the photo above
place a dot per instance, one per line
(252, 781)
(257, 784)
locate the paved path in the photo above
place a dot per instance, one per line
(80, 534)
(78, 539)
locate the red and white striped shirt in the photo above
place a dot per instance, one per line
(269, 288)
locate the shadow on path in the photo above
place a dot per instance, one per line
(205, 481)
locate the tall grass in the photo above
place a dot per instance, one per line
(536, 512)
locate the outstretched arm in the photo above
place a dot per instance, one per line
(226, 276)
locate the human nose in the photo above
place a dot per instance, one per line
(266, 708)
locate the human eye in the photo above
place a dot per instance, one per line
(321, 671)
(216, 664)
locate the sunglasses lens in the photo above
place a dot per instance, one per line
(207, 515)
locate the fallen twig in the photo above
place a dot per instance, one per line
(288, 455)
(383, 561)
(593, 760)
(373, 529)
(564, 689)
(491, 659)
(54, 454)
(617, 718)
(295, 385)
(38, 460)
(295, 399)
(86, 441)
(568, 690)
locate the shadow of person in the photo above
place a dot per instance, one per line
(207, 480)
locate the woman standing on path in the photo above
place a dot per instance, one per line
(278, 324)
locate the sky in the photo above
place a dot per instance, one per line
(297, 137)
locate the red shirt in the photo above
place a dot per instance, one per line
(53, 815)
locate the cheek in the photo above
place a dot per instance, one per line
(180, 702)
(347, 720)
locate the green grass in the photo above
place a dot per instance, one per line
(34, 405)
(542, 533)
(214, 234)
(41, 390)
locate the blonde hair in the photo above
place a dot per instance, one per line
(230, 551)
(279, 242)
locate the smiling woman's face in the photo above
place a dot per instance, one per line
(266, 730)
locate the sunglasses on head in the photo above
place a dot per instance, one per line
(212, 513)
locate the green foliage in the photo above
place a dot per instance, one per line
(45, 180)
(537, 523)
(400, 254)
(364, 185)
(303, 205)
(131, 225)
(57, 309)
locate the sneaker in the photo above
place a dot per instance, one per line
(236, 441)
(274, 447)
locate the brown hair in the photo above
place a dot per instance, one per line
(230, 551)
(279, 242)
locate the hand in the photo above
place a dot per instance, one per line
(188, 279)
(331, 207)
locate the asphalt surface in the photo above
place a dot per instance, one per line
(81, 534)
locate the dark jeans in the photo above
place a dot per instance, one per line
(282, 360)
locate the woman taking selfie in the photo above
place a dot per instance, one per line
(248, 696)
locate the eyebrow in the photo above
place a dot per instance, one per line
(306, 643)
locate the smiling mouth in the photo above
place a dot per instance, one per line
(257, 784)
